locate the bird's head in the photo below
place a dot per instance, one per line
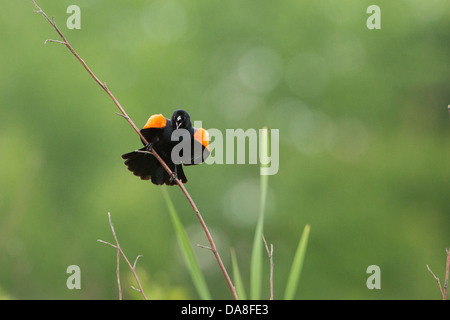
(181, 119)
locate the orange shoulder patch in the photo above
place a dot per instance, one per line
(202, 136)
(155, 121)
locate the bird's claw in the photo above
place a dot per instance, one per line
(173, 177)
(149, 147)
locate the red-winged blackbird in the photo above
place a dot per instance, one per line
(159, 132)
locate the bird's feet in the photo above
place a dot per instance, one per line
(149, 147)
(173, 177)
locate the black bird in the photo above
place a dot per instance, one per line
(159, 132)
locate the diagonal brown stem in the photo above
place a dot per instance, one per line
(124, 115)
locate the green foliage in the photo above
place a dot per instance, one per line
(237, 278)
(297, 265)
(185, 245)
(256, 264)
(257, 251)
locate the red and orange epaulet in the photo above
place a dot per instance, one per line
(155, 121)
(202, 136)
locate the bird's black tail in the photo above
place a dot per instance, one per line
(146, 166)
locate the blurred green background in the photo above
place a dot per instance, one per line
(364, 143)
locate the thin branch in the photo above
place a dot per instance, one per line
(270, 254)
(126, 117)
(108, 243)
(121, 115)
(135, 261)
(446, 273)
(203, 247)
(447, 266)
(117, 270)
(438, 282)
(57, 41)
(120, 252)
(132, 287)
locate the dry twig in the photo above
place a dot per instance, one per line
(447, 266)
(270, 254)
(120, 252)
(126, 117)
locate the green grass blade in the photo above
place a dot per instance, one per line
(237, 279)
(297, 265)
(183, 241)
(256, 263)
